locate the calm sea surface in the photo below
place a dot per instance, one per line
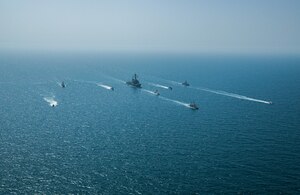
(129, 141)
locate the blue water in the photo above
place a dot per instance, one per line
(97, 141)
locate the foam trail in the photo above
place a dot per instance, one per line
(176, 101)
(148, 91)
(119, 80)
(167, 99)
(105, 86)
(158, 85)
(233, 95)
(116, 79)
(174, 82)
(58, 83)
(83, 81)
(41, 82)
(166, 80)
(51, 101)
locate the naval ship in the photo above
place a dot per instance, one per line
(134, 82)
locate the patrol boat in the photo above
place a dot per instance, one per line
(63, 84)
(185, 83)
(156, 92)
(193, 106)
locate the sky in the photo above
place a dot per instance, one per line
(231, 26)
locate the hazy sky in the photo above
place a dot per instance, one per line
(234, 26)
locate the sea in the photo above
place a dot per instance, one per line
(89, 139)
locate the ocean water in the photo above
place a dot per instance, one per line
(129, 141)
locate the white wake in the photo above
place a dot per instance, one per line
(105, 86)
(84, 81)
(116, 79)
(232, 95)
(51, 101)
(176, 101)
(158, 85)
(148, 91)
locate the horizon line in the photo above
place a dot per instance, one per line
(148, 51)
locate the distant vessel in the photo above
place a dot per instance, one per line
(193, 106)
(111, 88)
(156, 92)
(170, 88)
(63, 84)
(185, 83)
(134, 82)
